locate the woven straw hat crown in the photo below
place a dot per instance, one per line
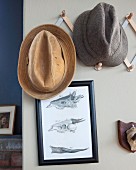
(46, 75)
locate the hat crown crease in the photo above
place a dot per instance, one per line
(106, 31)
(102, 36)
(46, 66)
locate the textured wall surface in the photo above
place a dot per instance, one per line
(115, 90)
(11, 34)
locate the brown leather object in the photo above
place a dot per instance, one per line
(122, 128)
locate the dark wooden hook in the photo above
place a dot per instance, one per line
(130, 15)
(63, 13)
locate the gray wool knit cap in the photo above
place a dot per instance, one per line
(99, 37)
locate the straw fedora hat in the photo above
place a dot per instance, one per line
(99, 37)
(46, 62)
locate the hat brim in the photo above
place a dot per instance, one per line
(91, 59)
(69, 54)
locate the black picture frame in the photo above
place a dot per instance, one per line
(93, 158)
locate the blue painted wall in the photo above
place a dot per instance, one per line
(11, 34)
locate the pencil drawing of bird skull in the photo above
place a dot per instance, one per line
(69, 101)
(66, 125)
(131, 137)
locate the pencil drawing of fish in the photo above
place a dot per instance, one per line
(69, 101)
(66, 125)
(61, 150)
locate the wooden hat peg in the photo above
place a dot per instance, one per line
(131, 21)
(63, 13)
(131, 68)
(130, 16)
(67, 20)
(98, 66)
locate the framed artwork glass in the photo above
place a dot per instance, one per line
(7, 117)
(66, 126)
